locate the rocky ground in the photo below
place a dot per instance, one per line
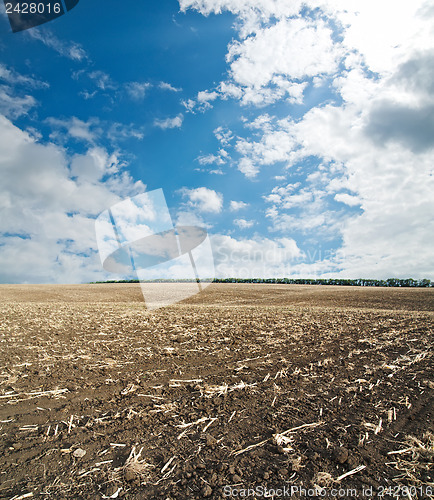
(242, 391)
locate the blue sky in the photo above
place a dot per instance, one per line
(299, 134)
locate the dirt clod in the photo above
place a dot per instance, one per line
(341, 455)
(207, 491)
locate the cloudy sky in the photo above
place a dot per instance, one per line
(300, 134)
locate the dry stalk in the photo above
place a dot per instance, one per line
(284, 441)
(421, 459)
(304, 426)
(350, 473)
(251, 447)
(22, 497)
(212, 420)
(166, 466)
(185, 425)
(33, 395)
(134, 465)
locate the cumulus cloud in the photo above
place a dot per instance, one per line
(205, 97)
(202, 102)
(365, 152)
(189, 218)
(221, 158)
(204, 199)
(271, 60)
(287, 197)
(94, 165)
(417, 73)
(49, 204)
(254, 258)
(391, 121)
(86, 131)
(348, 199)
(250, 12)
(270, 64)
(277, 144)
(244, 224)
(234, 206)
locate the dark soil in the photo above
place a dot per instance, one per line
(242, 386)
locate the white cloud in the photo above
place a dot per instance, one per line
(12, 105)
(137, 90)
(91, 130)
(286, 197)
(71, 50)
(271, 60)
(88, 95)
(189, 105)
(243, 7)
(246, 167)
(373, 146)
(277, 144)
(210, 159)
(169, 123)
(391, 181)
(244, 224)
(395, 30)
(189, 218)
(102, 80)
(121, 131)
(224, 136)
(254, 258)
(202, 102)
(249, 11)
(204, 199)
(169, 87)
(237, 205)
(48, 208)
(346, 198)
(87, 131)
(206, 97)
(289, 50)
(221, 158)
(9, 75)
(94, 165)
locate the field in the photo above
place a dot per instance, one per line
(242, 386)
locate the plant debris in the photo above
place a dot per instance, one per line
(240, 385)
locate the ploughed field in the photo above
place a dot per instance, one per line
(241, 387)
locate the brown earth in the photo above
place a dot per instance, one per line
(242, 386)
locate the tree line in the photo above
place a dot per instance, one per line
(390, 282)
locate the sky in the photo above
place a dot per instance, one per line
(299, 134)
